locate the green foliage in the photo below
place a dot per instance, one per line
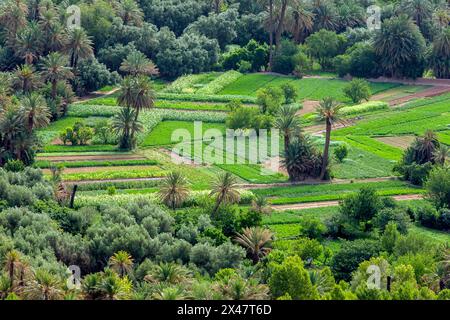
(269, 100)
(290, 93)
(362, 206)
(324, 45)
(312, 228)
(438, 187)
(14, 166)
(341, 152)
(357, 90)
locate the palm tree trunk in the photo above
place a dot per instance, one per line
(54, 84)
(326, 150)
(270, 35)
(216, 207)
(286, 141)
(279, 29)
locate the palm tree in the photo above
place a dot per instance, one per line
(13, 263)
(6, 286)
(419, 10)
(260, 205)
(130, 13)
(169, 293)
(174, 191)
(121, 262)
(325, 15)
(327, 110)
(54, 69)
(236, 288)
(439, 59)
(136, 93)
(113, 287)
(28, 44)
(124, 124)
(45, 286)
(24, 79)
(224, 189)
(169, 273)
(78, 46)
(35, 112)
(300, 21)
(441, 155)
(301, 159)
(288, 122)
(136, 63)
(256, 241)
(425, 147)
(13, 14)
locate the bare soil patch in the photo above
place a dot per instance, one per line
(402, 142)
(308, 107)
(103, 169)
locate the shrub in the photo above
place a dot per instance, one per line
(357, 90)
(244, 66)
(14, 166)
(438, 187)
(290, 94)
(341, 152)
(312, 228)
(397, 216)
(362, 206)
(351, 254)
(269, 99)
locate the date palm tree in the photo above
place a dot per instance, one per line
(136, 93)
(441, 155)
(300, 20)
(328, 110)
(44, 286)
(114, 287)
(54, 69)
(13, 18)
(288, 123)
(35, 112)
(174, 191)
(25, 79)
(237, 288)
(78, 46)
(124, 124)
(121, 262)
(257, 241)
(130, 13)
(13, 263)
(224, 189)
(425, 147)
(28, 44)
(169, 273)
(136, 63)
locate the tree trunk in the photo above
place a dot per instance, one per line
(286, 141)
(326, 150)
(54, 84)
(270, 35)
(133, 130)
(216, 207)
(279, 29)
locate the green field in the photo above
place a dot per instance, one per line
(162, 134)
(308, 88)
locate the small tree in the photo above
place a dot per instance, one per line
(438, 187)
(341, 152)
(357, 90)
(290, 94)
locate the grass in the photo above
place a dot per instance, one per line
(289, 217)
(63, 154)
(252, 173)
(435, 236)
(330, 192)
(74, 149)
(307, 88)
(115, 173)
(44, 164)
(119, 185)
(403, 121)
(374, 146)
(162, 134)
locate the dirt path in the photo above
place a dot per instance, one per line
(324, 204)
(93, 95)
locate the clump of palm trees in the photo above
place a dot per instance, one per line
(174, 190)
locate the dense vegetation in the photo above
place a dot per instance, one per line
(87, 175)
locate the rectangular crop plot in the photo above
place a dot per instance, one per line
(162, 134)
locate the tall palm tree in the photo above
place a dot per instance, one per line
(130, 13)
(169, 273)
(327, 110)
(78, 46)
(121, 262)
(325, 15)
(25, 79)
(224, 189)
(439, 59)
(441, 155)
(13, 263)
(28, 45)
(113, 287)
(174, 191)
(13, 17)
(419, 10)
(169, 293)
(124, 124)
(288, 122)
(54, 69)
(257, 241)
(237, 288)
(136, 63)
(44, 286)
(35, 112)
(136, 93)
(300, 20)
